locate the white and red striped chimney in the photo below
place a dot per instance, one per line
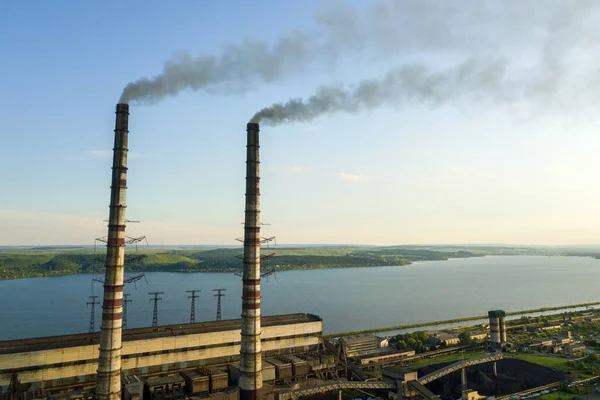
(108, 386)
(250, 355)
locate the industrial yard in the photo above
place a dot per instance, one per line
(203, 359)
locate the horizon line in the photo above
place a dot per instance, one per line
(322, 244)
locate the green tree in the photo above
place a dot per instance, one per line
(421, 336)
(465, 338)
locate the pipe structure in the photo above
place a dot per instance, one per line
(109, 362)
(250, 354)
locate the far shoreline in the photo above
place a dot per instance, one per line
(16, 274)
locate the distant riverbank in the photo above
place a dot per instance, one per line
(36, 263)
(16, 263)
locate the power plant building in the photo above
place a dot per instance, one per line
(358, 345)
(497, 328)
(70, 362)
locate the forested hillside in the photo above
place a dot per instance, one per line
(31, 263)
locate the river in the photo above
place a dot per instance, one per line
(347, 299)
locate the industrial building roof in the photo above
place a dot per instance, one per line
(544, 342)
(358, 339)
(384, 352)
(472, 333)
(84, 339)
(552, 325)
(575, 346)
(441, 335)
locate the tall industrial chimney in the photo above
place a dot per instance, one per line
(109, 364)
(250, 355)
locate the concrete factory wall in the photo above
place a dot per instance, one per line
(49, 364)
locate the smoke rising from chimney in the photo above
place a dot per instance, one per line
(554, 78)
(481, 79)
(234, 71)
(381, 32)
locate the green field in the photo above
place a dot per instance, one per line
(558, 395)
(557, 363)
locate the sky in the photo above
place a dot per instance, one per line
(498, 143)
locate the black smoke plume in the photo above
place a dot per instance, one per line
(385, 31)
(563, 73)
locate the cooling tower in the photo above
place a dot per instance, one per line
(497, 328)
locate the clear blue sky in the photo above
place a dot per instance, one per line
(465, 172)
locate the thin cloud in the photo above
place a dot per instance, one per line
(24, 215)
(354, 178)
(22, 227)
(313, 128)
(296, 170)
(101, 153)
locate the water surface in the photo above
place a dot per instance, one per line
(348, 299)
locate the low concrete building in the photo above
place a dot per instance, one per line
(542, 344)
(357, 345)
(563, 339)
(441, 337)
(478, 335)
(551, 326)
(575, 348)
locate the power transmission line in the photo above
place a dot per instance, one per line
(218, 295)
(155, 299)
(194, 296)
(92, 303)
